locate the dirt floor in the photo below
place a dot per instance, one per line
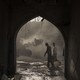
(39, 71)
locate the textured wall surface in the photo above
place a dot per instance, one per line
(15, 13)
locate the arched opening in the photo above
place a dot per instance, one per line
(30, 49)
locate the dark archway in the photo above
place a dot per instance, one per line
(17, 24)
(20, 28)
(64, 14)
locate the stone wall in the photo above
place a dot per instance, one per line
(74, 42)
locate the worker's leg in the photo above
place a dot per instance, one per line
(48, 64)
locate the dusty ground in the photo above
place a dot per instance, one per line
(39, 71)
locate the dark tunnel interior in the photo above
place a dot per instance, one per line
(65, 14)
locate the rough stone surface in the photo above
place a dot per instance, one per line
(39, 71)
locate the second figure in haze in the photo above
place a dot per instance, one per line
(51, 55)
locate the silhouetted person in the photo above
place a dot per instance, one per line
(54, 52)
(49, 55)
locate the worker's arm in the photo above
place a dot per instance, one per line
(45, 53)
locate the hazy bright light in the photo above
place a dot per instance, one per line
(29, 40)
(37, 19)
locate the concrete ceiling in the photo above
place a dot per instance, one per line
(39, 2)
